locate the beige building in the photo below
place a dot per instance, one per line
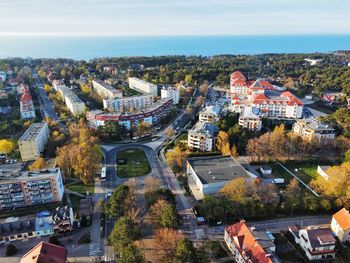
(33, 141)
(202, 137)
(23, 189)
(250, 120)
(311, 129)
(75, 105)
(105, 90)
(128, 104)
(340, 225)
(209, 114)
(143, 86)
(170, 93)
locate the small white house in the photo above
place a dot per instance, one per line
(266, 170)
(340, 225)
(322, 170)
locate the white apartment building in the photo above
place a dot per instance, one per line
(263, 95)
(57, 84)
(143, 86)
(317, 242)
(105, 90)
(340, 225)
(33, 141)
(26, 103)
(202, 137)
(170, 93)
(75, 105)
(311, 129)
(128, 104)
(209, 114)
(250, 119)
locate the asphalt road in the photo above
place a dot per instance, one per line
(46, 106)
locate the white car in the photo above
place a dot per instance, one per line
(109, 193)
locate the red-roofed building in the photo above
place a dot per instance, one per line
(264, 96)
(26, 103)
(248, 245)
(341, 225)
(45, 253)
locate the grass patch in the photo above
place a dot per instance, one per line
(136, 163)
(81, 188)
(84, 239)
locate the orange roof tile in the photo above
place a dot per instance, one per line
(343, 218)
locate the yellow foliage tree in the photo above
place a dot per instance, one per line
(38, 164)
(6, 146)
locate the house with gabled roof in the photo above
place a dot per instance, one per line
(340, 225)
(45, 253)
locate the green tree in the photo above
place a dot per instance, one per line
(164, 215)
(123, 234)
(116, 203)
(131, 254)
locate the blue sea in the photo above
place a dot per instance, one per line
(93, 47)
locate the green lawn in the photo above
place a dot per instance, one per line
(81, 188)
(136, 163)
(75, 201)
(279, 172)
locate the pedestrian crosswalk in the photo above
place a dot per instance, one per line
(95, 249)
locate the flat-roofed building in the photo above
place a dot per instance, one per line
(311, 129)
(105, 90)
(168, 92)
(75, 105)
(57, 84)
(143, 86)
(23, 189)
(210, 174)
(128, 104)
(202, 137)
(33, 141)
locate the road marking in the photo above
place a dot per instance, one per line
(94, 249)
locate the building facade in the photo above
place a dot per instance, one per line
(25, 189)
(317, 242)
(311, 129)
(128, 104)
(250, 119)
(26, 103)
(143, 86)
(130, 120)
(248, 245)
(264, 96)
(209, 114)
(105, 90)
(75, 105)
(340, 225)
(202, 137)
(33, 141)
(170, 93)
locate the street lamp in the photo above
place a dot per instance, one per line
(291, 212)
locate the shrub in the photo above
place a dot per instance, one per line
(10, 250)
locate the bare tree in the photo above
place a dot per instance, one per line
(152, 183)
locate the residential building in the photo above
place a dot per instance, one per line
(249, 245)
(340, 225)
(207, 175)
(75, 105)
(62, 220)
(312, 62)
(143, 86)
(168, 92)
(128, 104)
(311, 129)
(130, 120)
(33, 141)
(57, 84)
(250, 119)
(105, 90)
(45, 253)
(26, 103)
(210, 114)
(264, 96)
(322, 170)
(27, 188)
(2, 76)
(330, 96)
(17, 229)
(317, 242)
(202, 137)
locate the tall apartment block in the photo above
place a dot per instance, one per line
(33, 141)
(143, 86)
(105, 90)
(23, 189)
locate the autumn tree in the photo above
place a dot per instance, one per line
(169, 132)
(152, 183)
(167, 241)
(6, 146)
(175, 158)
(163, 215)
(37, 164)
(142, 128)
(222, 143)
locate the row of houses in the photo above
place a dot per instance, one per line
(318, 242)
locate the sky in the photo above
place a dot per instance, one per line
(173, 17)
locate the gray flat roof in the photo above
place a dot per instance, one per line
(216, 169)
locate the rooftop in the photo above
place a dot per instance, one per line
(141, 80)
(217, 169)
(343, 218)
(15, 176)
(45, 253)
(204, 128)
(33, 131)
